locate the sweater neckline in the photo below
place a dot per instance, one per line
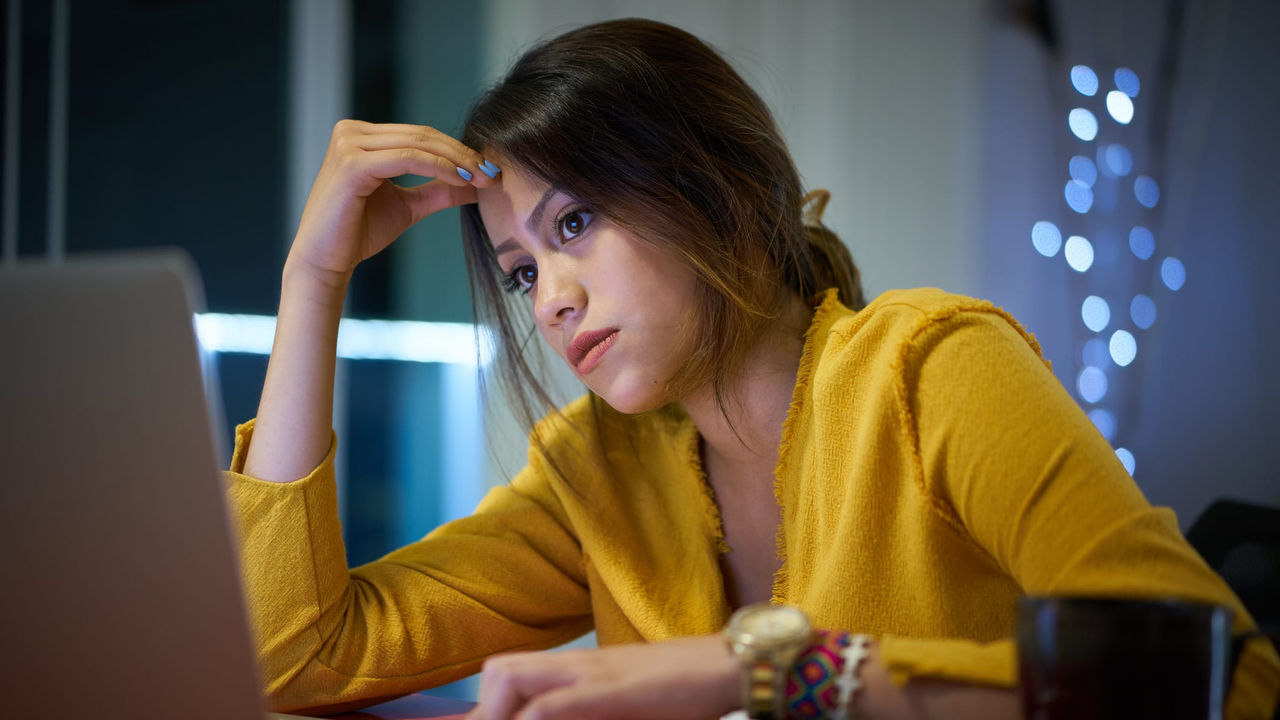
(827, 303)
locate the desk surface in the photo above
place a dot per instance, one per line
(410, 707)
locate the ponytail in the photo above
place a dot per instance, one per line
(831, 266)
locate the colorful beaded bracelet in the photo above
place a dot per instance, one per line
(824, 678)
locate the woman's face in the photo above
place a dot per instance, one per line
(616, 309)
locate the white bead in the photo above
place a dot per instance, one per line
(849, 683)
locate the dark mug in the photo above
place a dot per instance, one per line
(1099, 658)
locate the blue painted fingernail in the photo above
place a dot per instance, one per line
(464, 174)
(488, 168)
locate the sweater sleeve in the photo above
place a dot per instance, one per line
(1017, 467)
(330, 639)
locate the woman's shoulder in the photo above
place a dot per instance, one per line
(911, 305)
(899, 326)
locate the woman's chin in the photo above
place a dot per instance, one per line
(631, 401)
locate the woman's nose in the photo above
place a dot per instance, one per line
(559, 294)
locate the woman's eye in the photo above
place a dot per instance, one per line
(521, 279)
(573, 223)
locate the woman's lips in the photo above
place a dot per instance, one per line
(588, 348)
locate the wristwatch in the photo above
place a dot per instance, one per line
(766, 639)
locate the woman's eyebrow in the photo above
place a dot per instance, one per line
(535, 217)
(506, 246)
(533, 221)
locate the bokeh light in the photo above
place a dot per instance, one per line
(1084, 80)
(1143, 311)
(1124, 348)
(1096, 353)
(1078, 195)
(1083, 170)
(1092, 384)
(1046, 238)
(1092, 187)
(1146, 191)
(1105, 422)
(1126, 459)
(1120, 107)
(1127, 82)
(1083, 124)
(1096, 314)
(1115, 160)
(1079, 253)
(1142, 242)
(1172, 272)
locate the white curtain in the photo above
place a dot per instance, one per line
(876, 99)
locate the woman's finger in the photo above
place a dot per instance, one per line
(381, 136)
(576, 701)
(432, 143)
(370, 128)
(509, 681)
(387, 164)
(435, 196)
(483, 172)
(353, 141)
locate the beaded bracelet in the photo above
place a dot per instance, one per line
(824, 679)
(812, 691)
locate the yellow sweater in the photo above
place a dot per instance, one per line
(932, 471)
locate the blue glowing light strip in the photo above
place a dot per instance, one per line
(398, 340)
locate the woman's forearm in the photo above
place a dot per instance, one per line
(697, 677)
(923, 698)
(295, 414)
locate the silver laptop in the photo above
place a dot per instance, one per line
(121, 594)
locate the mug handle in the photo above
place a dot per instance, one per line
(1237, 649)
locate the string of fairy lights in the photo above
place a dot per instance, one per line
(1110, 203)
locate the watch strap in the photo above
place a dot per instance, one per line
(764, 687)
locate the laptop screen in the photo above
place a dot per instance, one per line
(121, 589)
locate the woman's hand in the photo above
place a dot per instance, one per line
(690, 678)
(354, 211)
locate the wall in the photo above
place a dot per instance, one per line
(1198, 407)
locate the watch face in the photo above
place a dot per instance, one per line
(772, 624)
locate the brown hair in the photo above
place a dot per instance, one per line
(647, 125)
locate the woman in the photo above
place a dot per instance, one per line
(904, 470)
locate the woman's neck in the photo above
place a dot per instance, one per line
(757, 401)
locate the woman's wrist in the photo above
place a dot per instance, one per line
(728, 686)
(306, 281)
